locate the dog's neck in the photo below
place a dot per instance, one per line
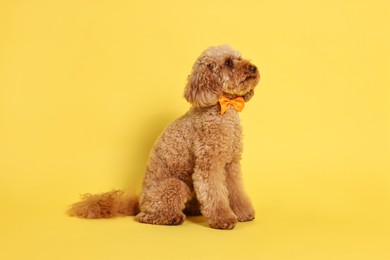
(214, 110)
(230, 96)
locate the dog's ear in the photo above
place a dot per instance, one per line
(203, 86)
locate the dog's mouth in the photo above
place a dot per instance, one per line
(249, 78)
(242, 87)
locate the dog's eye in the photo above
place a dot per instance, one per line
(229, 63)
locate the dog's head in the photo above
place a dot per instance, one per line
(220, 71)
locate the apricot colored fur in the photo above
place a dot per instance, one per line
(194, 166)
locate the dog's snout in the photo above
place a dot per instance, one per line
(252, 69)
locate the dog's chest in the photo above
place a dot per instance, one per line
(230, 130)
(231, 119)
(218, 136)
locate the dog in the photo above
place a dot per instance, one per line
(194, 166)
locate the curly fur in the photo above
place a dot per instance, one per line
(194, 166)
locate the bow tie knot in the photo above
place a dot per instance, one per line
(238, 103)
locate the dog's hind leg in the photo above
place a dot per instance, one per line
(163, 202)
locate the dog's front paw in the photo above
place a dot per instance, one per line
(243, 210)
(160, 218)
(223, 222)
(244, 216)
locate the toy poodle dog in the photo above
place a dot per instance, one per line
(194, 166)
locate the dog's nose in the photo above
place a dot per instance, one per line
(252, 69)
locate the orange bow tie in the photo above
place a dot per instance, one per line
(238, 103)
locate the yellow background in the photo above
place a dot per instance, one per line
(86, 87)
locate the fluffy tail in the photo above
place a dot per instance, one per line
(105, 205)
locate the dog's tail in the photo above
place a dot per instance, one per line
(105, 205)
